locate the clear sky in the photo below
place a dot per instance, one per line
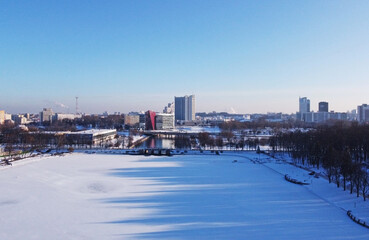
(246, 56)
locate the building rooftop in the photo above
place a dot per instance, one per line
(95, 131)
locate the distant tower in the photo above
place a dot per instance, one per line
(323, 107)
(304, 108)
(76, 105)
(363, 113)
(184, 108)
(46, 115)
(304, 105)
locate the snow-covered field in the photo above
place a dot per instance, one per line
(101, 196)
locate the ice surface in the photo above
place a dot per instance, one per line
(101, 196)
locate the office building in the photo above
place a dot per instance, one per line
(150, 120)
(304, 105)
(304, 108)
(164, 121)
(19, 119)
(320, 117)
(132, 119)
(86, 137)
(7, 117)
(46, 115)
(363, 113)
(351, 115)
(142, 121)
(323, 107)
(91, 137)
(169, 108)
(184, 108)
(2, 116)
(64, 116)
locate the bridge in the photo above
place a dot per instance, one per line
(170, 133)
(179, 133)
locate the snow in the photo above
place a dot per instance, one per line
(328, 192)
(197, 129)
(96, 132)
(230, 196)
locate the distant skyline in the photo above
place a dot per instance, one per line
(241, 56)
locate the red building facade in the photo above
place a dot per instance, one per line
(150, 120)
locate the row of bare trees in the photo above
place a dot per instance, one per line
(261, 123)
(18, 141)
(229, 140)
(110, 121)
(90, 121)
(341, 150)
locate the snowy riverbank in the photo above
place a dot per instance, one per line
(227, 196)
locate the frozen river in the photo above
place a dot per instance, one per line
(82, 196)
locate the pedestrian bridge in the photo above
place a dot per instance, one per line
(170, 133)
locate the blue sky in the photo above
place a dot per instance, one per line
(250, 56)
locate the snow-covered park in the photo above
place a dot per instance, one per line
(229, 196)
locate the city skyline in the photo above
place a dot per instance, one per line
(62, 108)
(235, 56)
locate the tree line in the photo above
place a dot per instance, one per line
(340, 149)
(93, 121)
(21, 141)
(261, 123)
(229, 140)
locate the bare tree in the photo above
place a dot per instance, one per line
(364, 184)
(219, 142)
